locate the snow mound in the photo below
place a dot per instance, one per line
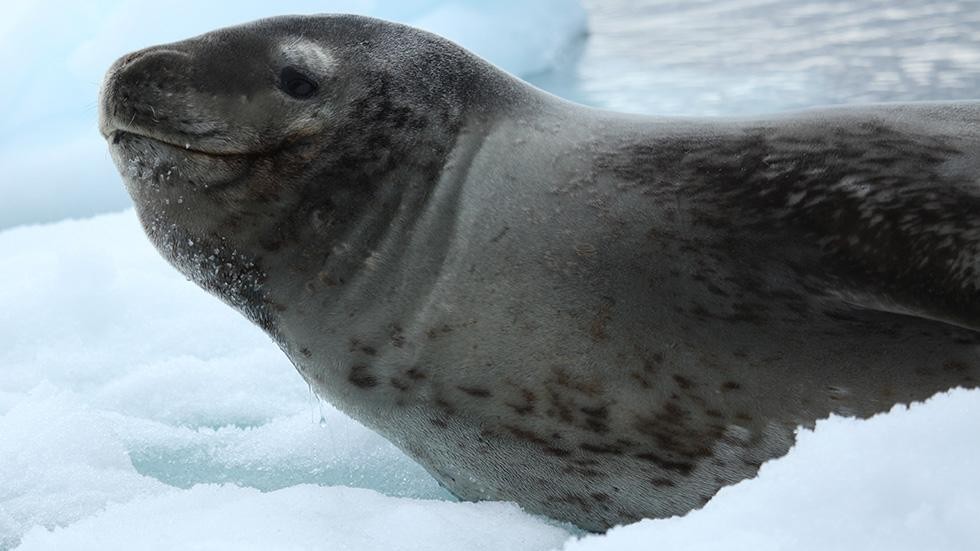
(120, 379)
(300, 517)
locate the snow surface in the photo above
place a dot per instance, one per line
(53, 54)
(137, 412)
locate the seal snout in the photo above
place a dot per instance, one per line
(138, 89)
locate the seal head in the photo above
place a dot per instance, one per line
(236, 143)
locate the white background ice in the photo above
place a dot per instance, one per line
(137, 412)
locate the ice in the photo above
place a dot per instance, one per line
(300, 517)
(55, 163)
(138, 412)
(525, 38)
(119, 376)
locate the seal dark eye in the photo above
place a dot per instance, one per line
(296, 84)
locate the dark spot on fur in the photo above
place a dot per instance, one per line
(527, 435)
(662, 482)
(673, 413)
(399, 384)
(683, 382)
(559, 407)
(361, 378)
(597, 329)
(609, 449)
(730, 385)
(528, 406)
(638, 377)
(596, 425)
(414, 374)
(681, 467)
(589, 388)
(475, 392)
(714, 289)
(557, 452)
(954, 365)
(601, 412)
(500, 234)
(436, 332)
(441, 423)
(356, 346)
(596, 418)
(305, 352)
(327, 280)
(444, 405)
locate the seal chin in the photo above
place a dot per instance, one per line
(168, 167)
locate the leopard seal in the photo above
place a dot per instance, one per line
(600, 316)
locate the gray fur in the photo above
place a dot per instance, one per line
(600, 316)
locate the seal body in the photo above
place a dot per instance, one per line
(600, 316)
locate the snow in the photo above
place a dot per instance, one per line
(56, 164)
(305, 517)
(138, 412)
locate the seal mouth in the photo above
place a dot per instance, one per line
(117, 136)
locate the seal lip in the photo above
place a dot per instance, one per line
(115, 135)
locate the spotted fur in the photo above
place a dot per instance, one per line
(603, 317)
